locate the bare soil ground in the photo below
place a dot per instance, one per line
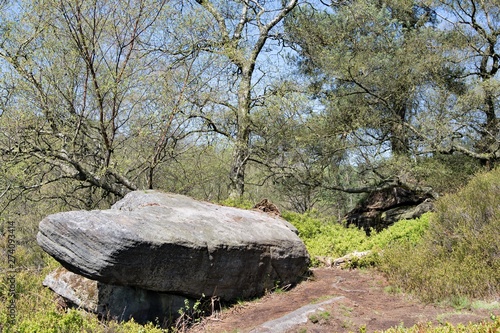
(364, 302)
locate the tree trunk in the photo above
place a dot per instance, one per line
(244, 57)
(241, 149)
(490, 133)
(237, 173)
(398, 137)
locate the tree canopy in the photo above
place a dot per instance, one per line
(309, 103)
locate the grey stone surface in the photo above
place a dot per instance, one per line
(293, 319)
(114, 302)
(174, 244)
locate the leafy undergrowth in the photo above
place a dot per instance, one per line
(447, 256)
(459, 257)
(484, 327)
(327, 238)
(452, 254)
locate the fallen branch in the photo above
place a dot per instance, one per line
(331, 262)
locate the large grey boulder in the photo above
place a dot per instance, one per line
(174, 244)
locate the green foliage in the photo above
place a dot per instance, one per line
(189, 314)
(483, 327)
(459, 257)
(238, 202)
(326, 238)
(54, 322)
(366, 49)
(445, 173)
(406, 231)
(403, 232)
(370, 260)
(77, 321)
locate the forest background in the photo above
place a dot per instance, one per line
(313, 105)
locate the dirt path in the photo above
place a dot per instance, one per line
(357, 298)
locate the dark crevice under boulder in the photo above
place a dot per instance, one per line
(114, 302)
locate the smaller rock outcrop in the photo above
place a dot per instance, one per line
(385, 207)
(114, 302)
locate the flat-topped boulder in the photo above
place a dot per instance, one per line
(174, 244)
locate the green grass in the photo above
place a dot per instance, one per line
(320, 317)
(484, 327)
(479, 304)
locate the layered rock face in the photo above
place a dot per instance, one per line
(385, 207)
(173, 244)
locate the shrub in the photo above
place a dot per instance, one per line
(445, 173)
(405, 231)
(238, 203)
(54, 322)
(483, 327)
(460, 254)
(327, 238)
(77, 321)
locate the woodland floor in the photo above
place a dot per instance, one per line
(361, 299)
